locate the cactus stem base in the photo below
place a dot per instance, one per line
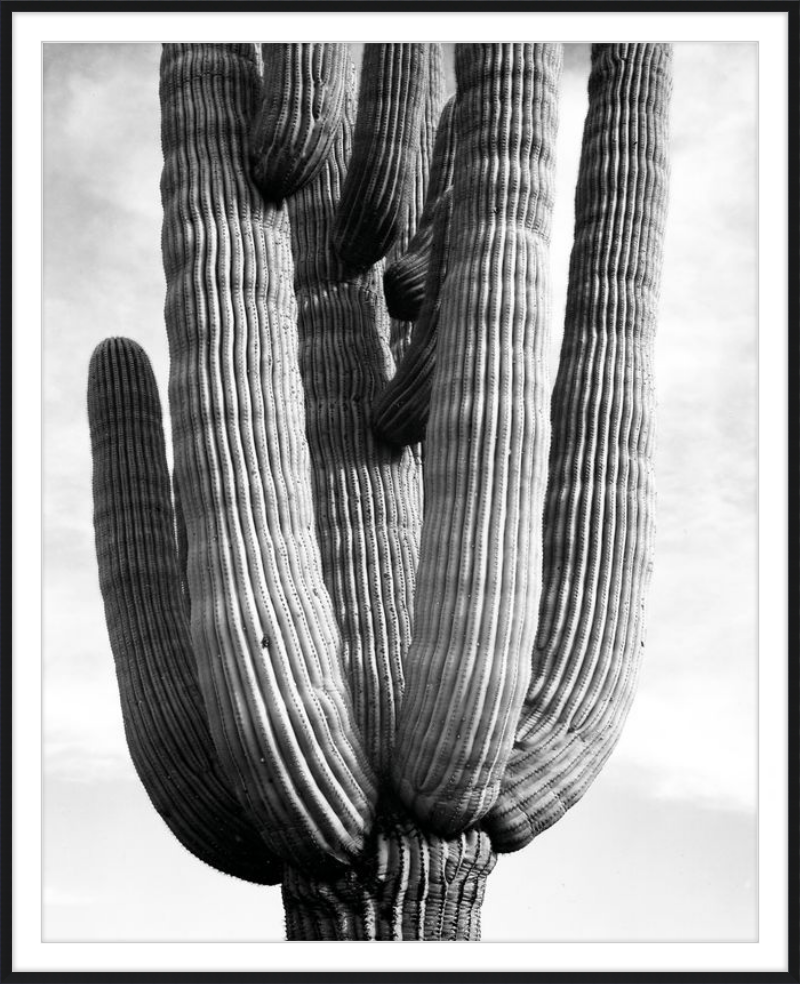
(411, 885)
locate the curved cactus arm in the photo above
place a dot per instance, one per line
(486, 447)
(366, 495)
(404, 281)
(381, 171)
(262, 621)
(165, 722)
(401, 327)
(301, 108)
(401, 414)
(599, 517)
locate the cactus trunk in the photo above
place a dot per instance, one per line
(410, 885)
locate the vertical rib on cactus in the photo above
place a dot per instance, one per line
(599, 517)
(401, 327)
(165, 722)
(401, 414)
(300, 111)
(262, 621)
(379, 179)
(486, 452)
(365, 494)
(404, 279)
(416, 886)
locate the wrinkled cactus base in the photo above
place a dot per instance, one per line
(410, 886)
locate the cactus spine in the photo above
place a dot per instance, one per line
(317, 686)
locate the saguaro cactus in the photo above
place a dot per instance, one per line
(318, 686)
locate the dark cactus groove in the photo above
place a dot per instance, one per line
(329, 680)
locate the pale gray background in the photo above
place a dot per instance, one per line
(663, 847)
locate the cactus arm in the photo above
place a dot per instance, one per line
(401, 415)
(486, 447)
(182, 543)
(380, 176)
(165, 723)
(404, 281)
(414, 210)
(599, 517)
(262, 620)
(295, 126)
(365, 495)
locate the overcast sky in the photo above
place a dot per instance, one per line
(663, 847)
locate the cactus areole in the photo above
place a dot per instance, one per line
(388, 620)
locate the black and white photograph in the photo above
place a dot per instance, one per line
(406, 505)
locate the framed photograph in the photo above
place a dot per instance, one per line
(582, 760)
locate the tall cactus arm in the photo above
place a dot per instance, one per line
(404, 279)
(379, 179)
(263, 624)
(486, 452)
(401, 414)
(301, 107)
(165, 722)
(366, 499)
(599, 517)
(401, 327)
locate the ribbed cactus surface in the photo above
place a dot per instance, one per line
(380, 176)
(301, 107)
(414, 204)
(401, 415)
(411, 885)
(165, 722)
(599, 518)
(317, 686)
(263, 624)
(486, 450)
(404, 279)
(366, 496)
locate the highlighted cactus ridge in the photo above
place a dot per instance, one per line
(366, 496)
(401, 415)
(381, 172)
(262, 621)
(486, 446)
(299, 116)
(599, 517)
(165, 722)
(404, 279)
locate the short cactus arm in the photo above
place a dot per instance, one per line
(366, 496)
(599, 517)
(401, 414)
(404, 279)
(165, 721)
(262, 620)
(414, 208)
(486, 445)
(301, 107)
(380, 176)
